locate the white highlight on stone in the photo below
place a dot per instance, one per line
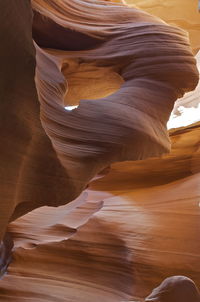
(69, 108)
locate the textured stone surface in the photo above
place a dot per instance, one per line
(182, 13)
(190, 99)
(49, 155)
(137, 224)
(134, 227)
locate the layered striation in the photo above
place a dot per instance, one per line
(130, 230)
(124, 69)
(181, 13)
(156, 65)
(190, 99)
(49, 155)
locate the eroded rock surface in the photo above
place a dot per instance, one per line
(51, 162)
(139, 223)
(132, 228)
(182, 13)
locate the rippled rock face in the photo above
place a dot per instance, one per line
(130, 230)
(182, 13)
(52, 161)
(191, 99)
(122, 233)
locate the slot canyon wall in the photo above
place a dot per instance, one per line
(134, 215)
(180, 13)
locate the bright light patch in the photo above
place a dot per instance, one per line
(69, 108)
(188, 116)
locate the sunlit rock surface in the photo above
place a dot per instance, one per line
(182, 13)
(61, 151)
(137, 224)
(132, 228)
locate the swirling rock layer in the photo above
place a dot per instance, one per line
(117, 241)
(137, 225)
(182, 13)
(156, 65)
(52, 167)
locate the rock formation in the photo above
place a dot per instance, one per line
(176, 288)
(125, 69)
(130, 230)
(182, 13)
(190, 99)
